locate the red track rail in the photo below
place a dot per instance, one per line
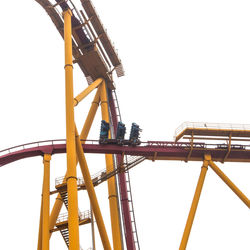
(152, 150)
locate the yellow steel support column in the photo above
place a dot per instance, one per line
(84, 134)
(39, 244)
(46, 201)
(229, 183)
(92, 194)
(55, 212)
(194, 205)
(113, 198)
(73, 221)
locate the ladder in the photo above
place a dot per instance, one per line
(65, 230)
(128, 161)
(117, 108)
(132, 161)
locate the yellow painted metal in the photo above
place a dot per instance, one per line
(84, 134)
(92, 194)
(194, 205)
(113, 198)
(55, 212)
(87, 91)
(234, 188)
(91, 116)
(46, 202)
(208, 129)
(73, 222)
(39, 244)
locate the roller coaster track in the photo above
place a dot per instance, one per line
(151, 150)
(96, 57)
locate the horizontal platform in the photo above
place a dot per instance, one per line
(212, 129)
(62, 220)
(152, 150)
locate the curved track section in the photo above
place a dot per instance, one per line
(157, 150)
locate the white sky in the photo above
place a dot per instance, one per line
(184, 61)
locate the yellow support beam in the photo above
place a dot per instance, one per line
(87, 91)
(73, 221)
(39, 244)
(194, 205)
(92, 195)
(84, 134)
(113, 197)
(55, 212)
(91, 115)
(230, 184)
(46, 202)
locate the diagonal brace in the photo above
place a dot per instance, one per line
(230, 184)
(91, 192)
(87, 91)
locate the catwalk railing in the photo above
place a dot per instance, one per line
(82, 216)
(215, 126)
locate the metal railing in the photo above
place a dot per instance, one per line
(207, 125)
(103, 175)
(40, 144)
(96, 142)
(81, 215)
(80, 182)
(32, 145)
(88, 142)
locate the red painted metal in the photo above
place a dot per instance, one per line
(122, 184)
(170, 150)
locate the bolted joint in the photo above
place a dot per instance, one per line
(68, 65)
(207, 157)
(59, 199)
(97, 103)
(76, 101)
(112, 196)
(46, 158)
(71, 177)
(68, 11)
(103, 102)
(205, 164)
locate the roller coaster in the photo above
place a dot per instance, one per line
(88, 46)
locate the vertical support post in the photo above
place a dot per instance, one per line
(46, 202)
(39, 244)
(71, 179)
(84, 134)
(194, 205)
(55, 212)
(113, 197)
